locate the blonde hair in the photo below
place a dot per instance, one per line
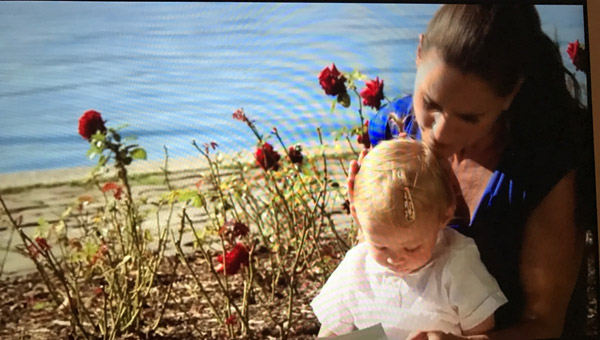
(400, 166)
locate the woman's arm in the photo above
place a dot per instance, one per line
(552, 250)
(551, 254)
(485, 326)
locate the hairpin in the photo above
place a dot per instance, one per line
(409, 205)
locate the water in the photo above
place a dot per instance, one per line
(176, 71)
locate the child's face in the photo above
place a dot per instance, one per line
(402, 250)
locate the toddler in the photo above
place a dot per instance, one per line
(411, 272)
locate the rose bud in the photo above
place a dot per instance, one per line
(295, 153)
(363, 138)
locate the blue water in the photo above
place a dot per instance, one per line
(176, 71)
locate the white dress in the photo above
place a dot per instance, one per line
(454, 291)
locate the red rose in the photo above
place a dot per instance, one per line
(295, 152)
(372, 95)
(363, 138)
(332, 81)
(233, 259)
(117, 190)
(240, 115)
(33, 251)
(89, 123)
(42, 243)
(346, 207)
(267, 158)
(234, 229)
(98, 291)
(578, 56)
(231, 320)
(99, 255)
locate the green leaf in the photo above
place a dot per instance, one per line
(357, 75)
(99, 136)
(138, 153)
(102, 161)
(333, 102)
(200, 236)
(42, 222)
(121, 127)
(43, 228)
(148, 236)
(344, 99)
(184, 195)
(41, 305)
(90, 248)
(197, 201)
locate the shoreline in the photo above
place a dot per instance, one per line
(46, 194)
(71, 175)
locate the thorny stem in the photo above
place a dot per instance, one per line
(212, 268)
(360, 108)
(26, 240)
(165, 169)
(189, 267)
(292, 283)
(351, 147)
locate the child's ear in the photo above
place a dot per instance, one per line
(360, 237)
(448, 216)
(419, 50)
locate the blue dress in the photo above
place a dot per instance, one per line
(521, 180)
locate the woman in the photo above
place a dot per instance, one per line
(491, 94)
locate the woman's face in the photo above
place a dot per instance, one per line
(455, 111)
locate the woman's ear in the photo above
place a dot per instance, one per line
(420, 50)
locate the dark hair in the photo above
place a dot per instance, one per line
(502, 44)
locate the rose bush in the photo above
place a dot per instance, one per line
(371, 95)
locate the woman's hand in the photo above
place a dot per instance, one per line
(438, 335)
(354, 167)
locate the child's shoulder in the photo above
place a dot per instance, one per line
(355, 262)
(454, 241)
(356, 257)
(456, 248)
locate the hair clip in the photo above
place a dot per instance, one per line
(409, 205)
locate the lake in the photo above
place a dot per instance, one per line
(177, 71)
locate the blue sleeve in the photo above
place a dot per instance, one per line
(380, 129)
